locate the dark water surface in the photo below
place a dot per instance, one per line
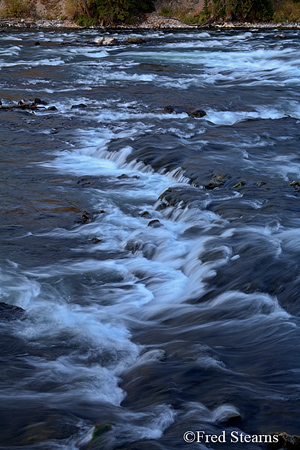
(155, 256)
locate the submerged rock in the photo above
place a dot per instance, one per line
(38, 101)
(131, 40)
(295, 184)
(100, 429)
(86, 217)
(216, 181)
(174, 109)
(155, 223)
(261, 183)
(10, 312)
(96, 240)
(146, 215)
(79, 106)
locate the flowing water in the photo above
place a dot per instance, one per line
(155, 255)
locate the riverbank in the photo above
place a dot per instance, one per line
(152, 21)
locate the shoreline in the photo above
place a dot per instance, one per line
(152, 22)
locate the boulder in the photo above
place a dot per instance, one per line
(106, 41)
(146, 215)
(197, 113)
(38, 101)
(79, 106)
(98, 40)
(155, 223)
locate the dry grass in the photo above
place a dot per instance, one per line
(186, 13)
(287, 11)
(15, 8)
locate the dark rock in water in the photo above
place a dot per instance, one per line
(95, 240)
(133, 245)
(79, 106)
(197, 113)
(285, 440)
(295, 184)
(173, 109)
(52, 108)
(131, 40)
(10, 312)
(52, 427)
(216, 181)
(37, 43)
(127, 177)
(86, 217)
(38, 101)
(84, 182)
(100, 429)
(146, 215)
(154, 223)
(261, 183)
(168, 197)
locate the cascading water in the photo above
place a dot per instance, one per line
(149, 261)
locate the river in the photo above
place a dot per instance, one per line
(149, 259)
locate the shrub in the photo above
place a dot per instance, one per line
(84, 21)
(244, 10)
(167, 12)
(115, 11)
(15, 8)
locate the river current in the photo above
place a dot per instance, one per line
(149, 264)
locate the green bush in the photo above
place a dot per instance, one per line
(166, 12)
(84, 21)
(116, 11)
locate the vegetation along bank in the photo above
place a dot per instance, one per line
(150, 13)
